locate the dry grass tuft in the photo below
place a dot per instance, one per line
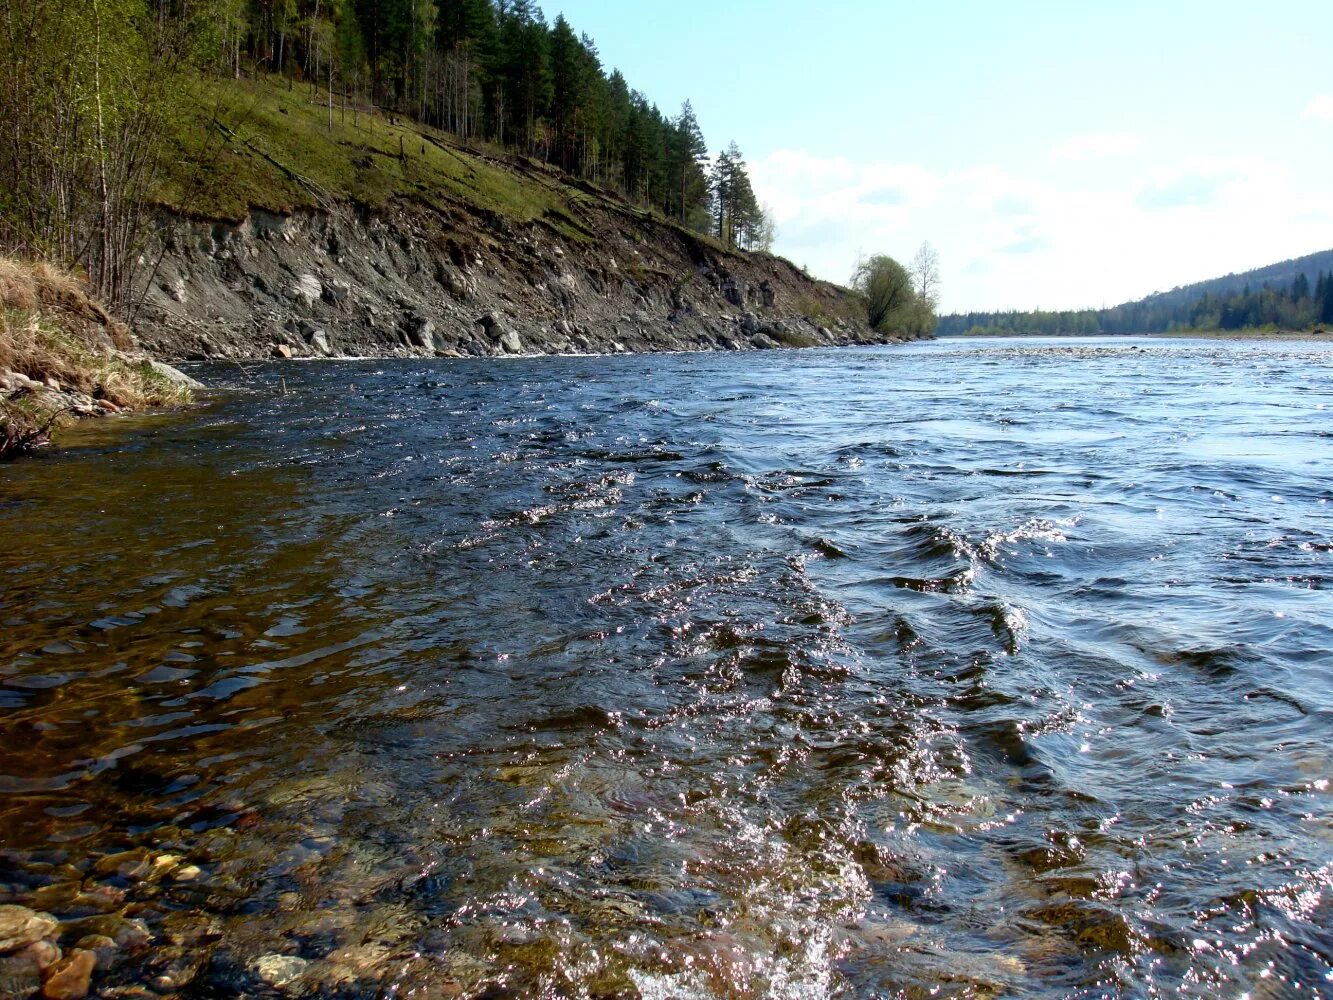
(18, 289)
(28, 287)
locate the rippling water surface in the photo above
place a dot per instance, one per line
(998, 668)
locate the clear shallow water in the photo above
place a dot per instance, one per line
(996, 668)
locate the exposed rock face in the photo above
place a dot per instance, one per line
(415, 282)
(319, 343)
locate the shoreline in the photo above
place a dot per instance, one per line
(1238, 335)
(1292, 335)
(64, 357)
(538, 356)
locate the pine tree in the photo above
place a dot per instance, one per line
(458, 22)
(745, 214)
(568, 91)
(736, 212)
(524, 39)
(688, 153)
(593, 115)
(721, 181)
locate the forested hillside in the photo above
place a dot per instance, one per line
(414, 178)
(109, 106)
(1293, 295)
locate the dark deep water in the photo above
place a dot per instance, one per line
(998, 668)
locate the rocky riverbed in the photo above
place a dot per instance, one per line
(956, 670)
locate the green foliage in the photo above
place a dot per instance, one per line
(255, 144)
(86, 91)
(491, 71)
(892, 303)
(737, 218)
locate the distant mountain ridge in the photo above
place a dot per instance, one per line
(1293, 293)
(1284, 273)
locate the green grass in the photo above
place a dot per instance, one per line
(260, 144)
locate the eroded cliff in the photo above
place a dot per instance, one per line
(414, 280)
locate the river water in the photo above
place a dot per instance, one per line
(988, 668)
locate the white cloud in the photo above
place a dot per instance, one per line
(1200, 181)
(1321, 108)
(1008, 241)
(1096, 146)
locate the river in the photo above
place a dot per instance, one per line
(957, 669)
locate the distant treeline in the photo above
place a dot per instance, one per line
(1299, 305)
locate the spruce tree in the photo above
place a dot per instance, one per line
(721, 180)
(567, 91)
(688, 153)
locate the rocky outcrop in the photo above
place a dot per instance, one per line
(414, 281)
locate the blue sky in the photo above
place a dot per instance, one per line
(1057, 154)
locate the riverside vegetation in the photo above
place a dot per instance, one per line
(62, 355)
(448, 178)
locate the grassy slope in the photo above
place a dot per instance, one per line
(275, 151)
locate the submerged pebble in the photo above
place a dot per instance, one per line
(20, 927)
(70, 978)
(103, 949)
(279, 970)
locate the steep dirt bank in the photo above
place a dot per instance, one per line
(416, 280)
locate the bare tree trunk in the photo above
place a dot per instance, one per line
(467, 93)
(312, 69)
(105, 222)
